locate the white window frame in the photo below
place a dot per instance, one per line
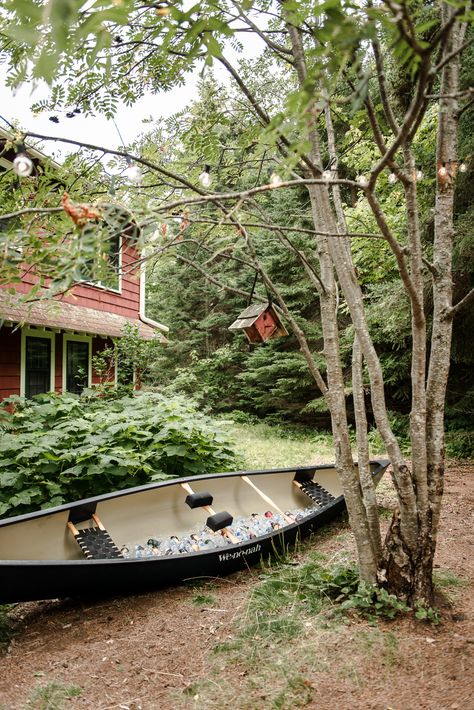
(67, 337)
(36, 333)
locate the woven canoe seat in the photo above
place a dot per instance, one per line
(317, 493)
(95, 542)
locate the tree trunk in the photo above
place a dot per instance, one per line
(408, 575)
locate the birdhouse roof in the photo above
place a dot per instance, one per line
(249, 316)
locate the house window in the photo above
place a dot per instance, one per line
(37, 363)
(107, 269)
(77, 363)
(37, 366)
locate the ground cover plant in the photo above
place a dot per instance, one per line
(59, 448)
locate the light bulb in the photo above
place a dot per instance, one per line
(419, 174)
(463, 167)
(275, 180)
(205, 178)
(362, 180)
(326, 175)
(392, 178)
(22, 165)
(133, 173)
(443, 171)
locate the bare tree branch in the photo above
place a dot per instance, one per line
(30, 210)
(461, 304)
(215, 281)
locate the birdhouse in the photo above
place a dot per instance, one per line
(260, 322)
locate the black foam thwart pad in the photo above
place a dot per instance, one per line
(219, 520)
(197, 500)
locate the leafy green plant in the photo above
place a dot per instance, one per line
(427, 613)
(374, 603)
(64, 447)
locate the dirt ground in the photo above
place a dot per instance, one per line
(149, 652)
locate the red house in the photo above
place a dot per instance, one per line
(48, 345)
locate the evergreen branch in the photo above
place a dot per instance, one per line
(466, 106)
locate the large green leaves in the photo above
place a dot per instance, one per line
(65, 448)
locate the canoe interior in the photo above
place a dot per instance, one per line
(154, 511)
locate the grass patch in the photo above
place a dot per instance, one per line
(445, 579)
(203, 600)
(263, 446)
(53, 696)
(292, 633)
(297, 693)
(448, 584)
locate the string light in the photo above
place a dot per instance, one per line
(326, 175)
(362, 180)
(275, 180)
(132, 172)
(419, 174)
(205, 177)
(392, 178)
(443, 170)
(22, 164)
(463, 167)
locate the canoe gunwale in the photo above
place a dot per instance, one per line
(93, 500)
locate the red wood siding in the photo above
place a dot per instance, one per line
(126, 303)
(10, 346)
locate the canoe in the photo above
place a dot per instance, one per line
(160, 534)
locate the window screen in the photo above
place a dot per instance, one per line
(37, 366)
(77, 366)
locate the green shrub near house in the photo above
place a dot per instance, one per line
(59, 448)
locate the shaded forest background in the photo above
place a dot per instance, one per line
(226, 373)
